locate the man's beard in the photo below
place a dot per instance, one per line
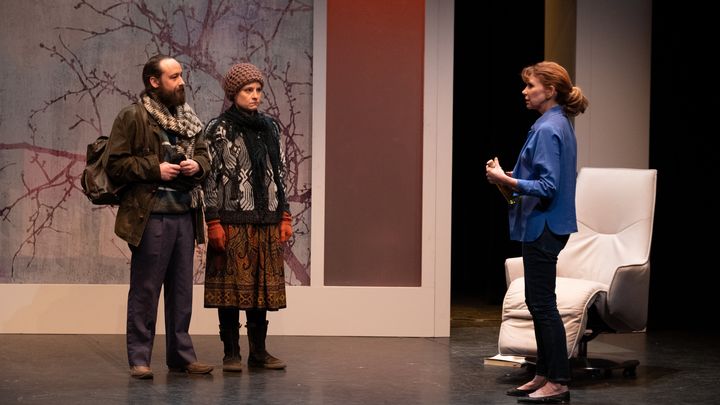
(171, 98)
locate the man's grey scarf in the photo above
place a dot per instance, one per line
(186, 124)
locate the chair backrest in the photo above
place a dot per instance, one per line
(615, 209)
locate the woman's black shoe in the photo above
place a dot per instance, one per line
(517, 392)
(562, 398)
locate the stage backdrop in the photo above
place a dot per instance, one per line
(69, 66)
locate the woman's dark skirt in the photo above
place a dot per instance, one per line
(250, 273)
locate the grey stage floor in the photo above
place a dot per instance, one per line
(675, 368)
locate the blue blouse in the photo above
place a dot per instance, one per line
(546, 171)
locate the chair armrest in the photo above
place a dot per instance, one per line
(627, 298)
(513, 269)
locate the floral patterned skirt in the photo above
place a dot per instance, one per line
(250, 273)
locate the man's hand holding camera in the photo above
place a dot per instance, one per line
(176, 163)
(187, 167)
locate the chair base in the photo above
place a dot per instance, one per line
(595, 368)
(603, 367)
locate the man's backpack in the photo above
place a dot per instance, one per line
(96, 184)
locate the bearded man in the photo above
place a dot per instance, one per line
(154, 149)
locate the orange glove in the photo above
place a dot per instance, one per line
(216, 235)
(285, 227)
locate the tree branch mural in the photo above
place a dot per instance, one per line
(206, 37)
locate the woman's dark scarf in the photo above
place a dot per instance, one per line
(261, 141)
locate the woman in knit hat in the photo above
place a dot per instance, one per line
(248, 218)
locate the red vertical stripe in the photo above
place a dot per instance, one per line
(374, 142)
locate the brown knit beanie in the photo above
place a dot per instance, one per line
(240, 75)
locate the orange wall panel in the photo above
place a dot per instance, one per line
(374, 133)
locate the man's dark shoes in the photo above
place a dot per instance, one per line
(141, 372)
(193, 368)
(517, 392)
(562, 398)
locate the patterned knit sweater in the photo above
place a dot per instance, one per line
(246, 180)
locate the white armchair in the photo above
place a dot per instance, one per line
(603, 272)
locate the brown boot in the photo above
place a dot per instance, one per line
(259, 357)
(141, 372)
(192, 368)
(230, 337)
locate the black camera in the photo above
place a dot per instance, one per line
(177, 158)
(171, 155)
